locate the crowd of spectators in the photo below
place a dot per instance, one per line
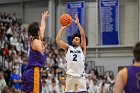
(14, 52)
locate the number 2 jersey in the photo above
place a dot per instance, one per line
(75, 61)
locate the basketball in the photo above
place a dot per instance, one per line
(65, 20)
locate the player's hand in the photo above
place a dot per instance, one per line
(45, 15)
(64, 27)
(44, 46)
(76, 19)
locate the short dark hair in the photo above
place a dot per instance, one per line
(14, 68)
(1, 70)
(78, 35)
(44, 82)
(33, 29)
(136, 51)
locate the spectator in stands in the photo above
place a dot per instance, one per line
(61, 88)
(44, 78)
(57, 73)
(2, 29)
(8, 64)
(99, 79)
(48, 71)
(94, 88)
(13, 40)
(62, 84)
(9, 32)
(4, 56)
(7, 69)
(17, 62)
(12, 57)
(6, 50)
(43, 71)
(62, 61)
(4, 17)
(55, 87)
(111, 81)
(2, 81)
(14, 18)
(0, 16)
(44, 84)
(0, 55)
(24, 65)
(16, 80)
(13, 50)
(44, 87)
(10, 19)
(93, 73)
(19, 45)
(55, 61)
(53, 72)
(90, 82)
(6, 90)
(17, 67)
(24, 35)
(26, 46)
(18, 57)
(17, 28)
(103, 87)
(49, 60)
(3, 41)
(6, 25)
(49, 82)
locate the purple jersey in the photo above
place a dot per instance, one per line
(36, 58)
(31, 79)
(133, 80)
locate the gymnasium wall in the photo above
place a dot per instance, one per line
(12, 8)
(33, 10)
(111, 57)
(128, 22)
(112, 64)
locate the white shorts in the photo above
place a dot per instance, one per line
(75, 84)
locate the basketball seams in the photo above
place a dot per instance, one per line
(65, 19)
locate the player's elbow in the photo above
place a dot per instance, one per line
(57, 40)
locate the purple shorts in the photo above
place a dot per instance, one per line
(31, 80)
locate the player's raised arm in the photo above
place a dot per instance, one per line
(83, 36)
(59, 42)
(43, 23)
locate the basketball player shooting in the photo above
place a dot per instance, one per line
(31, 79)
(75, 57)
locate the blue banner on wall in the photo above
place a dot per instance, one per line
(109, 17)
(72, 9)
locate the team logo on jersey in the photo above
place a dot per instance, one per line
(76, 51)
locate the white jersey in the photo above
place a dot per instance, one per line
(75, 61)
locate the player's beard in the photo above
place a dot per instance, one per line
(73, 44)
